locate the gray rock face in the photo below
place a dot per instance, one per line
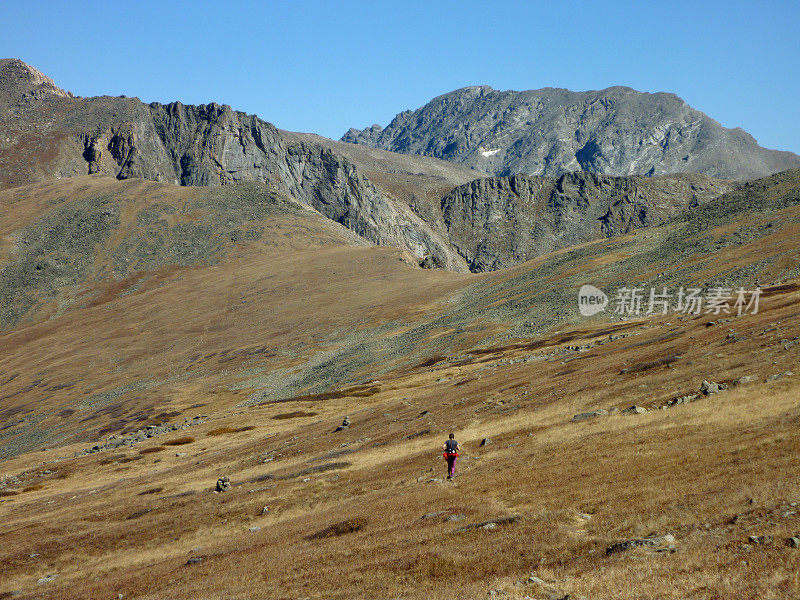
(49, 133)
(499, 222)
(615, 131)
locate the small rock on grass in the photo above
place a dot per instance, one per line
(254, 529)
(432, 515)
(453, 518)
(634, 410)
(793, 542)
(589, 415)
(46, 579)
(709, 387)
(223, 484)
(485, 441)
(194, 561)
(779, 376)
(760, 539)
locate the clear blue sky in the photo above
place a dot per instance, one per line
(327, 66)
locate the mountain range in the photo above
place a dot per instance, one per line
(386, 198)
(615, 131)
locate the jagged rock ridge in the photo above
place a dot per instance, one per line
(46, 134)
(615, 131)
(498, 222)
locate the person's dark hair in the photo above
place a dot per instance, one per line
(452, 436)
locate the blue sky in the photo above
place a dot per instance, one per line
(327, 66)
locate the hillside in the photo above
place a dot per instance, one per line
(49, 134)
(398, 200)
(244, 352)
(615, 131)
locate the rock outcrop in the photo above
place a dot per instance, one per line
(499, 222)
(47, 133)
(418, 206)
(615, 131)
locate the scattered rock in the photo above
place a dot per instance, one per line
(454, 518)
(634, 410)
(760, 539)
(589, 415)
(536, 580)
(485, 441)
(223, 484)
(46, 579)
(779, 376)
(432, 515)
(264, 511)
(196, 560)
(147, 432)
(745, 379)
(254, 529)
(345, 424)
(664, 543)
(489, 525)
(180, 454)
(793, 542)
(709, 387)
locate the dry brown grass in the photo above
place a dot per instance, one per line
(181, 441)
(226, 430)
(340, 528)
(712, 472)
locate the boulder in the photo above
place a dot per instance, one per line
(665, 543)
(760, 539)
(709, 387)
(223, 484)
(589, 415)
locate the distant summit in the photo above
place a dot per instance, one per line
(21, 77)
(615, 131)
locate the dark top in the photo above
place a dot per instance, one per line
(450, 446)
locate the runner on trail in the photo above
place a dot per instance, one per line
(451, 449)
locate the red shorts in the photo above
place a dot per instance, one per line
(449, 455)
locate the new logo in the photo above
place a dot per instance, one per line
(591, 300)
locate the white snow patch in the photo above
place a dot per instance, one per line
(490, 152)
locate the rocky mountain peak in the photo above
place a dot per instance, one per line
(615, 131)
(20, 76)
